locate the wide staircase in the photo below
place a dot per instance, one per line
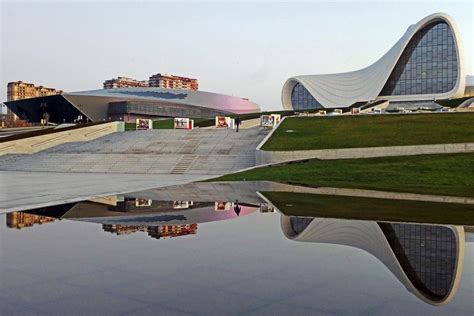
(200, 151)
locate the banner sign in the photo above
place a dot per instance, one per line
(277, 119)
(267, 121)
(266, 208)
(183, 123)
(224, 122)
(223, 206)
(182, 204)
(144, 124)
(142, 202)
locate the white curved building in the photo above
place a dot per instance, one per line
(427, 259)
(427, 63)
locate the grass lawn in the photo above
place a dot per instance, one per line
(451, 174)
(318, 205)
(371, 131)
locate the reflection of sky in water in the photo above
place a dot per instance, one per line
(243, 265)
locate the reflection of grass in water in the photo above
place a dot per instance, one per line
(425, 174)
(318, 205)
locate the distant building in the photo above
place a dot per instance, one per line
(21, 220)
(157, 81)
(173, 82)
(19, 90)
(124, 82)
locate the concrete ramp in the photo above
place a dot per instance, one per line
(39, 140)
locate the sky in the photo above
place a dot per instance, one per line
(245, 49)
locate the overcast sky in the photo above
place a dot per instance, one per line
(243, 49)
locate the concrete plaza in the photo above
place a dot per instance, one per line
(123, 162)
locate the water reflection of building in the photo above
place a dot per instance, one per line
(427, 259)
(171, 231)
(123, 229)
(21, 220)
(158, 232)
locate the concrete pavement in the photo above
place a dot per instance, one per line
(203, 152)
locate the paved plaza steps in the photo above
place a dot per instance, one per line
(210, 152)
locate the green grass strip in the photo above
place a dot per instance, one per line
(318, 205)
(309, 133)
(451, 174)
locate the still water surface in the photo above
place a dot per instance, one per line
(136, 256)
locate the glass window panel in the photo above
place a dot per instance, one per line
(425, 58)
(301, 99)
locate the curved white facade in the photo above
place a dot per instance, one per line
(368, 236)
(344, 89)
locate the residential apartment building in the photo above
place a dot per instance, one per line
(173, 82)
(19, 90)
(159, 81)
(124, 82)
(21, 220)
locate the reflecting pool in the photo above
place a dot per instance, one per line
(223, 251)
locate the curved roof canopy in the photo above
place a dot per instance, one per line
(363, 85)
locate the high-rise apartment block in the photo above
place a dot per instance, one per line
(124, 82)
(19, 90)
(21, 220)
(158, 81)
(173, 82)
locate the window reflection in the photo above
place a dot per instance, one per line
(427, 254)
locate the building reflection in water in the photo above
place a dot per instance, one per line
(21, 220)
(426, 259)
(127, 215)
(158, 232)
